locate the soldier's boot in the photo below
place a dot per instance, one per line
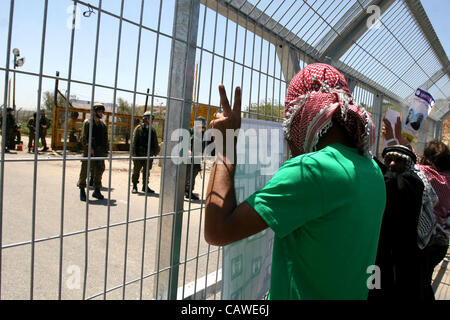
(82, 194)
(91, 182)
(97, 194)
(134, 188)
(149, 190)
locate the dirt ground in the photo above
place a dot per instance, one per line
(41, 203)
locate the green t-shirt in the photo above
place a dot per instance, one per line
(326, 209)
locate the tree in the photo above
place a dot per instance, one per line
(266, 111)
(49, 100)
(124, 107)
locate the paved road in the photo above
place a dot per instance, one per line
(18, 228)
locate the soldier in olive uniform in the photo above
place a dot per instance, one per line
(31, 124)
(199, 131)
(99, 148)
(140, 149)
(44, 124)
(11, 128)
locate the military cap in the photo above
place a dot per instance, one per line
(99, 106)
(148, 114)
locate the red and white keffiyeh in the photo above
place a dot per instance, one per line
(317, 95)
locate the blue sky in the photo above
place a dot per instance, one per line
(438, 13)
(27, 31)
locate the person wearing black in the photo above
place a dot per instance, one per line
(399, 257)
(11, 128)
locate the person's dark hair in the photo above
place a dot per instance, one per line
(437, 155)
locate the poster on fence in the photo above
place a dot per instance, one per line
(247, 264)
(391, 116)
(418, 111)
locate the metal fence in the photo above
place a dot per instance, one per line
(151, 246)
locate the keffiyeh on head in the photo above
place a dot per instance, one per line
(317, 95)
(403, 152)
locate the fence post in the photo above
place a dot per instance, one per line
(351, 84)
(288, 60)
(377, 115)
(179, 105)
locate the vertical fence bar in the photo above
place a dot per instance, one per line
(91, 125)
(148, 146)
(377, 119)
(204, 171)
(66, 125)
(5, 97)
(41, 70)
(116, 79)
(131, 150)
(209, 107)
(182, 65)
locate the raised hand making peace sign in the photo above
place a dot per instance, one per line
(228, 119)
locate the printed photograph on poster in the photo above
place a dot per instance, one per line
(391, 116)
(419, 110)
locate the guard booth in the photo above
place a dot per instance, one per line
(122, 124)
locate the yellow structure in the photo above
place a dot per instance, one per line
(203, 112)
(122, 123)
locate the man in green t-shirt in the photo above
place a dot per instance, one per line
(325, 205)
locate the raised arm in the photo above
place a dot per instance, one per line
(388, 132)
(225, 222)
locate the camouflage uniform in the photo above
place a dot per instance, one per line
(31, 124)
(100, 147)
(43, 121)
(140, 149)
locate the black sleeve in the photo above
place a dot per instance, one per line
(403, 207)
